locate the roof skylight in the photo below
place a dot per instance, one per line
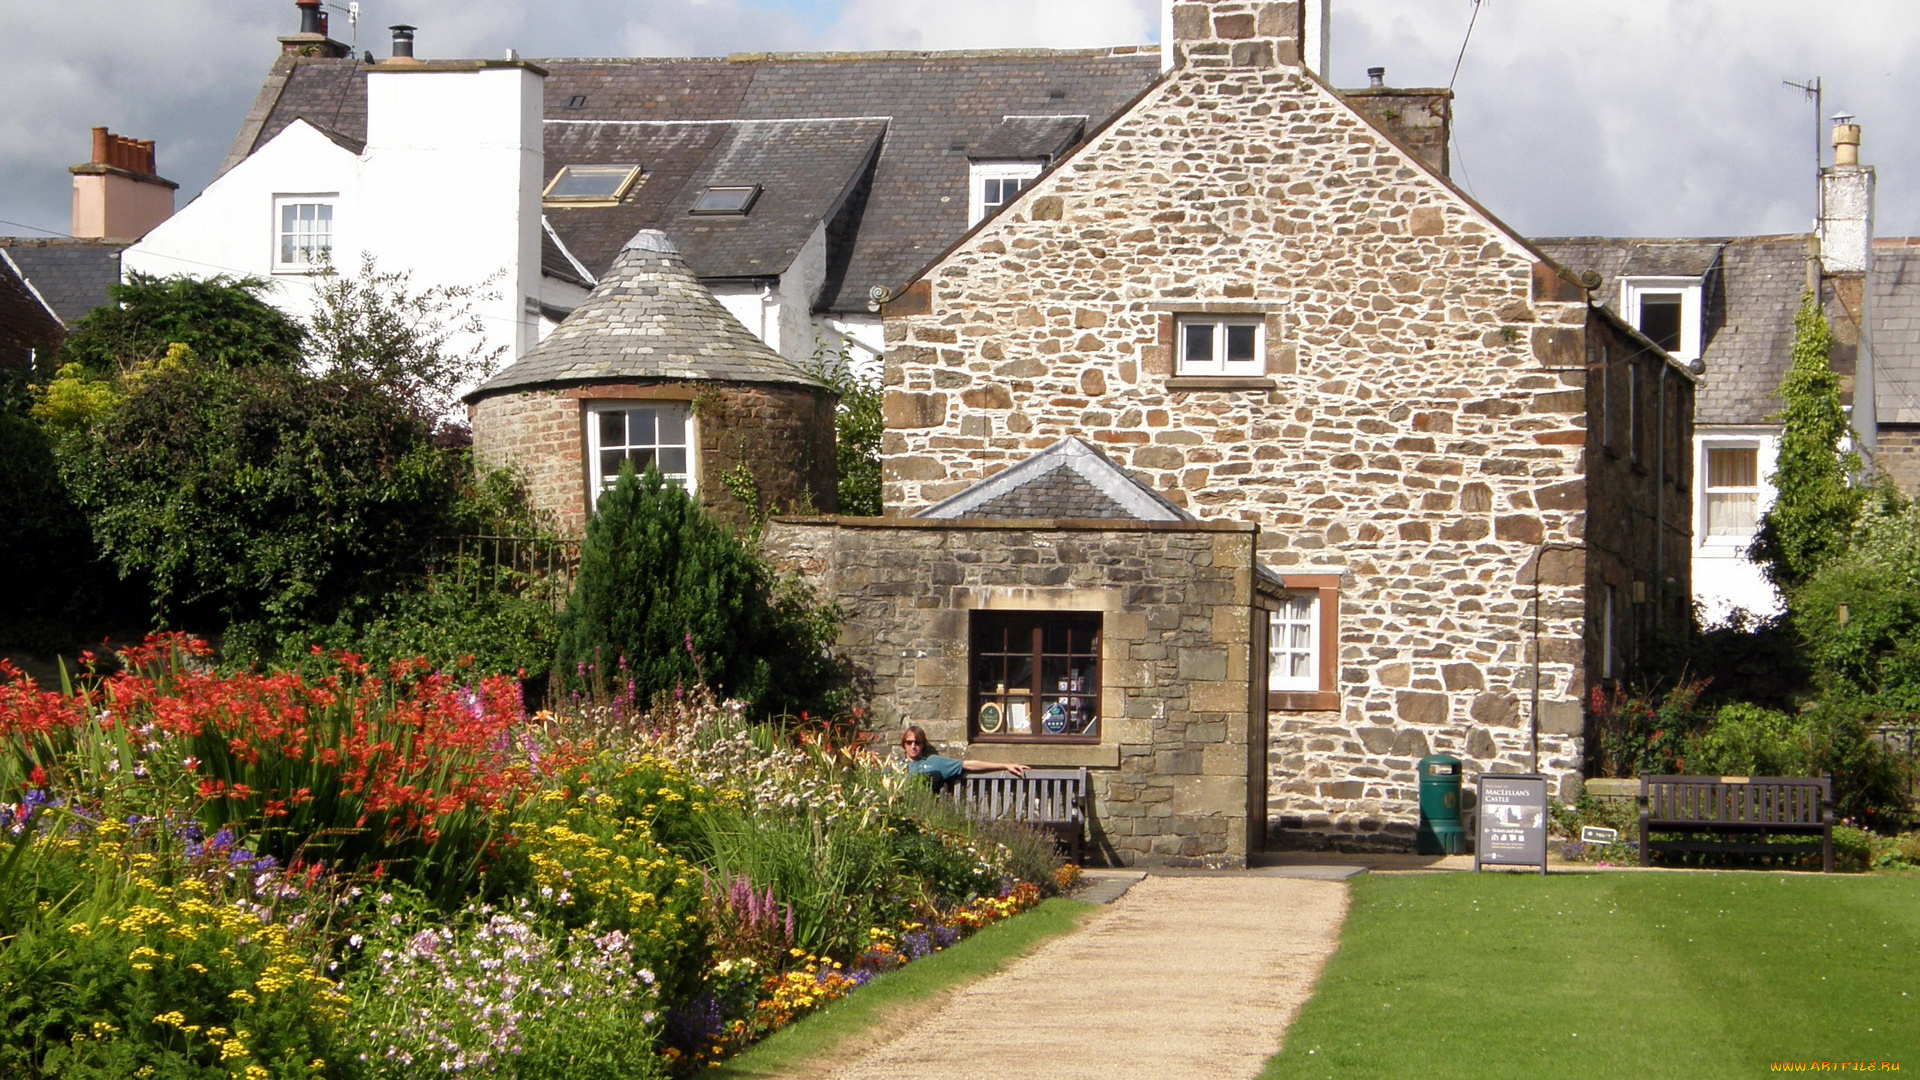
(727, 200)
(598, 185)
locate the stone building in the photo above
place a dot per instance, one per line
(1727, 303)
(1465, 478)
(652, 369)
(1082, 620)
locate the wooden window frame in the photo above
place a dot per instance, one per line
(1326, 588)
(983, 623)
(598, 483)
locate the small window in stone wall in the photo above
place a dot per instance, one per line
(1221, 346)
(656, 434)
(1035, 676)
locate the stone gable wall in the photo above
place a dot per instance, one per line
(1419, 428)
(1170, 773)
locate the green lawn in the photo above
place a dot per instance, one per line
(1603, 975)
(869, 1011)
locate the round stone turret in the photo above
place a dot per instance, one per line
(652, 368)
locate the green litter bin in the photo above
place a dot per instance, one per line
(1440, 831)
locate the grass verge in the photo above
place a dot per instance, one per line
(1613, 975)
(862, 1014)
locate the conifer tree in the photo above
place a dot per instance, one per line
(667, 597)
(1816, 505)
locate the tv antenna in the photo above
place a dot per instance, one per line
(1811, 88)
(353, 20)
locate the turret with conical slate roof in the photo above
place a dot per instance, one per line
(652, 367)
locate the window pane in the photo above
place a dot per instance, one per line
(609, 467)
(1240, 343)
(1733, 466)
(590, 181)
(1660, 319)
(1733, 514)
(1199, 343)
(673, 460)
(613, 428)
(671, 424)
(726, 200)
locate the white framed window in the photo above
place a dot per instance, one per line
(1666, 310)
(1215, 345)
(994, 184)
(303, 233)
(1293, 643)
(1730, 490)
(656, 433)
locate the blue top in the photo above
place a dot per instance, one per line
(941, 770)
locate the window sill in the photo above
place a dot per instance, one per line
(1047, 756)
(1220, 382)
(1302, 701)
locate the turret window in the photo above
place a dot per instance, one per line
(650, 434)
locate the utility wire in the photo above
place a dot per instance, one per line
(1463, 45)
(35, 228)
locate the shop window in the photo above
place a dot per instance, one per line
(1035, 676)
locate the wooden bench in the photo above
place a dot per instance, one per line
(1055, 800)
(1747, 810)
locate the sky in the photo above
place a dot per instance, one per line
(1596, 117)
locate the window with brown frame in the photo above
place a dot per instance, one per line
(1303, 645)
(1036, 676)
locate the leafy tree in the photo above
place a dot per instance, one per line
(222, 319)
(667, 597)
(377, 326)
(1813, 514)
(55, 576)
(258, 492)
(859, 426)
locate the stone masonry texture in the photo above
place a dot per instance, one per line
(1421, 428)
(1171, 770)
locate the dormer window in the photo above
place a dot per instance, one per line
(591, 185)
(735, 200)
(1667, 311)
(995, 184)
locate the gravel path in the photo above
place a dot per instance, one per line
(1183, 977)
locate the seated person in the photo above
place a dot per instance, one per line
(922, 761)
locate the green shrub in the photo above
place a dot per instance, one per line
(1639, 732)
(1746, 740)
(666, 598)
(221, 319)
(259, 493)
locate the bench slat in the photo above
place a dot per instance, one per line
(1736, 806)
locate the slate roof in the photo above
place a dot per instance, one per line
(1896, 330)
(73, 275)
(649, 319)
(805, 168)
(26, 323)
(925, 112)
(1751, 290)
(1069, 480)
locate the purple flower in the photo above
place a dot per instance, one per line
(221, 840)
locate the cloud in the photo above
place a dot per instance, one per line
(1606, 116)
(1652, 117)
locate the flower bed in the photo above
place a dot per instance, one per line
(335, 872)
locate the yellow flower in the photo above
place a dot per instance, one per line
(242, 996)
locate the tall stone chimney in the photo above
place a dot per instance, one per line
(1846, 260)
(1245, 34)
(119, 194)
(1421, 118)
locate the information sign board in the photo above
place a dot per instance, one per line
(1513, 821)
